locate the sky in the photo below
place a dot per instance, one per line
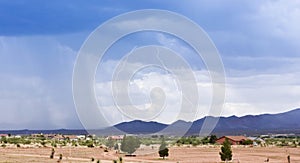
(258, 42)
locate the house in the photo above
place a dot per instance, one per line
(115, 137)
(17, 136)
(257, 141)
(71, 137)
(49, 136)
(58, 137)
(4, 135)
(234, 140)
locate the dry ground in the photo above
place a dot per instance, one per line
(177, 154)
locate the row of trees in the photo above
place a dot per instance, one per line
(130, 144)
(194, 140)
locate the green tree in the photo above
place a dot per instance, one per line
(205, 140)
(213, 139)
(247, 142)
(3, 140)
(130, 144)
(163, 150)
(226, 153)
(110, 143)
(116, 146)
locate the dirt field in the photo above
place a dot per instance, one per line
(177, 154)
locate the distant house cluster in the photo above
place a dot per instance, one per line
(61, 137)
(115, 137)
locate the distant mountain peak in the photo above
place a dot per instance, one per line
(286, 122)
(232, 124)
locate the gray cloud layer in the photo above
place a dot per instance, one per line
(258, 42)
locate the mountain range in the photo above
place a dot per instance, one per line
(287, 122)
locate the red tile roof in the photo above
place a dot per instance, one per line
(236, 138)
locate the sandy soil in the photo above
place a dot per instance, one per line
(202, 154)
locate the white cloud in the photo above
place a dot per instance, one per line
(139, 92)
(255, 94)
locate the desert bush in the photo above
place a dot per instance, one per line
(60, 156)
(90, 145)
(43, 143)
(3, 140)
(191, 141)
(26, 141)
(14, 140)
(53, 144)
(163, 150)
(212, 139)
(247, 142)
(52, 153)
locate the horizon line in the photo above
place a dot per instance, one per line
(152, 121)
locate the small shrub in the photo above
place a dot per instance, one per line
(26, 142)
(90, 145)
(247, 142)
(60, 156)
(43, 143)
(163, 150)
(52, 153)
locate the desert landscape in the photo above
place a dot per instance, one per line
(204, 154)
(149, 81)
